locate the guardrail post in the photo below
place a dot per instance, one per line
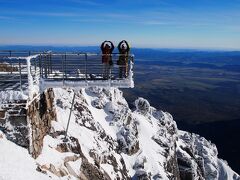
(20, 74)
(10, 54)
(35, 66)
(111, 68)
(50, 62)
(65, 63)
(62, 70)
(45, 66)
(40, 65)
(86, 66)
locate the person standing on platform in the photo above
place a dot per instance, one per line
(124, 49)
(107, 48)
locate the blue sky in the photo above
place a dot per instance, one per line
(149, 23)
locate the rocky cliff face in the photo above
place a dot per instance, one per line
(41, 112)
(107, 140)
(13, 117)
(198, 159)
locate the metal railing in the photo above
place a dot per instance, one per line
(13, 73)
(13, 70)
(64, 67)
(80, 66)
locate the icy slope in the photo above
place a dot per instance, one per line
(16, 163)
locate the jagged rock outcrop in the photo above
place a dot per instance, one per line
(114, 141)
(142, 106)
(107, 140)
(111, 141)
(197, 159)
(41, 113)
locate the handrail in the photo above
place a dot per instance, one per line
(57, 53)
(74, 69)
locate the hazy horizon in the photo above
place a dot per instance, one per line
(135, 47)
(151, 24)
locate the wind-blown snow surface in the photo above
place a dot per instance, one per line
(108, 139)
(16, 163)
(11, 96)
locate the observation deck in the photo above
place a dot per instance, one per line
(33, 72)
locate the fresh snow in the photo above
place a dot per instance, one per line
(225, 171)
(11, 96)
(16, 163)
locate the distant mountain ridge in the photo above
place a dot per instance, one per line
(216, 57)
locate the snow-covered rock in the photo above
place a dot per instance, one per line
(198, 159)
(107, 140)
(142, 105)
(11, 96)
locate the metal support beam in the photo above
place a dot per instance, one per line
(69, 118)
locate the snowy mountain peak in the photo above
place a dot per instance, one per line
(108, 140)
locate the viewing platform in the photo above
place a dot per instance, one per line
(33, 72)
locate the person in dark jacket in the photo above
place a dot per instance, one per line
(124, 49)
(107, 48)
